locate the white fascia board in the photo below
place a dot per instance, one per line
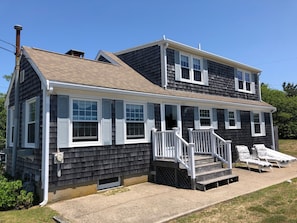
(162, 97)
(208, 55)
(6, 103)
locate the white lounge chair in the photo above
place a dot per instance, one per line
(245, 157)
(272, 156)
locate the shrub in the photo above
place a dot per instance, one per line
(12, 196)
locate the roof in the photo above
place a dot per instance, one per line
(117, 77)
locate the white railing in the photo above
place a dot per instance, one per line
(206, 141)
(168, 145)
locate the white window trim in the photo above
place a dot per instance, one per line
(237, 121)
(99, 117)
(204, 73)
(146, 135)
(211, 119)
(11, 125)
(262, 124)
(28, 102)
(252, 83)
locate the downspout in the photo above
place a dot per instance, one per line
(259, 87)
(164, 64)
(45, 143)
(272, 130)
(18, 29)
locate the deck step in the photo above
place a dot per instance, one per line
(215, 182)
(208, 167)
(207, 175)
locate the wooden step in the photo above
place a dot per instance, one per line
(215, 182)
(212, 174)
(208, 167)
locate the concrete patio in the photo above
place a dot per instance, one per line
(149, 202)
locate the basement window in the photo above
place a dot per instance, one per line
(109, 183)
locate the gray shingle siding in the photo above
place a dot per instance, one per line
(243, 136)
(146, 61)
(89, 164)
(220, 80)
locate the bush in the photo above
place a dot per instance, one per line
(12, 196)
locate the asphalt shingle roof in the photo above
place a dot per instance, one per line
(68, 69)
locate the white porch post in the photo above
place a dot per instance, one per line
(229, 153)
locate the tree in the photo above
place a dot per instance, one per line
(286, 115)
(290, 89)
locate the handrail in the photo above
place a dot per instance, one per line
(208, 142)
(170, 145)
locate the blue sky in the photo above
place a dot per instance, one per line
(260, 33)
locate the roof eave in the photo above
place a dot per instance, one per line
(64, 85)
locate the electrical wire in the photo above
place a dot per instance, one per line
(1, 40)
(7, 49)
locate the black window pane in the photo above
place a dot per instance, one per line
(197, 75)
(231, 122)
(248, 86)
(204, 122)
(240, 84)
(135, 130)
(185, 73)
(257, 128)
(31, 133)
(85, 131)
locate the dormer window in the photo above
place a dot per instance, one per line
(189, 68)
(244, 81)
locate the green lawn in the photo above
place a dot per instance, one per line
(34, 214)
(278, 203)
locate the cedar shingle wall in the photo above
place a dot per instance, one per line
(146, 61)
(88, 164)
(31, 87)
(220, 78)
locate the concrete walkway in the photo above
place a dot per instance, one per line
(149, 202)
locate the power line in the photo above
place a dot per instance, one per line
(8, 43)
(6, 49)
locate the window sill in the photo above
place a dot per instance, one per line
(192, 82)
(245, 91)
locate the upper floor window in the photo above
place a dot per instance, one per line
(135, 128)
(189, 68)
(244, 81)
(84, 120)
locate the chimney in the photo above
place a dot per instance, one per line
(18, 29)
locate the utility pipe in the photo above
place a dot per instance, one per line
(45, 143)
(18, 29)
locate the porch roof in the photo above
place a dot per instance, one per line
(66, 69)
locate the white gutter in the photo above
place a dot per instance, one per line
(272, 131)
(45, 143)
(56, 84)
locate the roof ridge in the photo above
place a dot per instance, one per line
(66, 55)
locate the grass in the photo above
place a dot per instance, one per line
(278, 203)
(34, 214)
(274, 204)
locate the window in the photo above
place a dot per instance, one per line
(205, 117)
(244, 81)
(185, 68)
(84, 120)
(232, 119)
(31, 122)
(258, 124)
(11, 124)
(135, 128)
(191, 70)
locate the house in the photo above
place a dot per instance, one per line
(76, 125)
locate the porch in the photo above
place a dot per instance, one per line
(202, 163)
